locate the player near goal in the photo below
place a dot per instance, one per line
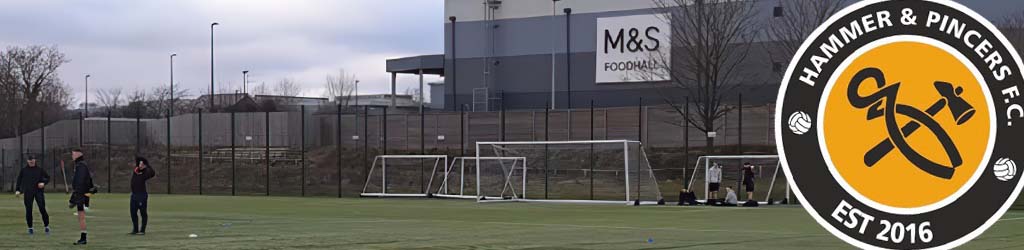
(748, 180)
(714, 182)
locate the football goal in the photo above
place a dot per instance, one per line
(402, 175)
(483, 178)
(607, 171)
(770, 184)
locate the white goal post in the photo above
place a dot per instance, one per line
(486, 178)
(596, 171)
(731, 172)
(388, 184)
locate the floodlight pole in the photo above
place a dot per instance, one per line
(245, 80)
(170, 113)
(554, 53)
(212, 90)
(568, 59)
(86, 104)
(455, 76)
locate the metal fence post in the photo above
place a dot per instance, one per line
(138, 131)
(366, 142)
(640, 138)
(423, 145)
(384, 131)
(592, 149)
(739, 129)
(501, 116)
(170, 160)
(21, 139)
(338, 146)
(3, 167)
(302, 147)
(109, 152)
(233, 179)
(686, 139)
(547, 116)
(42, 142)
(266, 146)
(462, 130)
(81, 123)
(201, 151)
(640, 120)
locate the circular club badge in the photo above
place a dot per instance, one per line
(900, 124)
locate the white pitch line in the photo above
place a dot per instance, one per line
(1012, 219)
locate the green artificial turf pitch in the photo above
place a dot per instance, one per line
(369, 223)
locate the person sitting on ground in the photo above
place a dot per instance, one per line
(730, 197)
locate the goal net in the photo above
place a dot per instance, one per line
(769, 181)
(483, 178)
(402, 175)
(609, 171)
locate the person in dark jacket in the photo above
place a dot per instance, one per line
(140, 196)
(748, 180)
(83, 189)
(31, 181)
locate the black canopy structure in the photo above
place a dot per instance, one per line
(418, 65)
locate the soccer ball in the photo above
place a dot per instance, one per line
(1005, 169)
(799, 122)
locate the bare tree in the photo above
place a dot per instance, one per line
(286, 87)
(787, 30)
(110, 98)
(29, 84)
(711, 39)
(340, 87)
(260, 89)
(136, 103)
(1013, 28)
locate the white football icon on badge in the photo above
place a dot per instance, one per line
(799, 122)
(1005, 169)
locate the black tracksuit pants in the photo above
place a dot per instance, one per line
(40, 200)
(139, 201)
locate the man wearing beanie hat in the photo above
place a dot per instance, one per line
(140, 196)
(31, 181)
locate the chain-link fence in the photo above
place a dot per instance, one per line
(327, 150)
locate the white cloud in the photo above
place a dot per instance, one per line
(127, 43)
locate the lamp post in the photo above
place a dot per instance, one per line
(455, 77)
(568, 58)
(87, 95)
(212, 91)
(170, 113)
(554, 53)
(245, 80)
(170, 110)
(357, 94)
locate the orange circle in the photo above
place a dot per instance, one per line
(894, 181)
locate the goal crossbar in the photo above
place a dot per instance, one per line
(626, 167)
(441, 160)
(520, 162)
(707, 163)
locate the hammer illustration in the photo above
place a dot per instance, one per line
(960, 109)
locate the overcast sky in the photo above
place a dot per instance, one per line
(127, 43)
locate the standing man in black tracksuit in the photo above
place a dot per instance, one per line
(31, 181)
(140, 197)
(83, 189)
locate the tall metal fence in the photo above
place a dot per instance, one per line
(327, 150)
